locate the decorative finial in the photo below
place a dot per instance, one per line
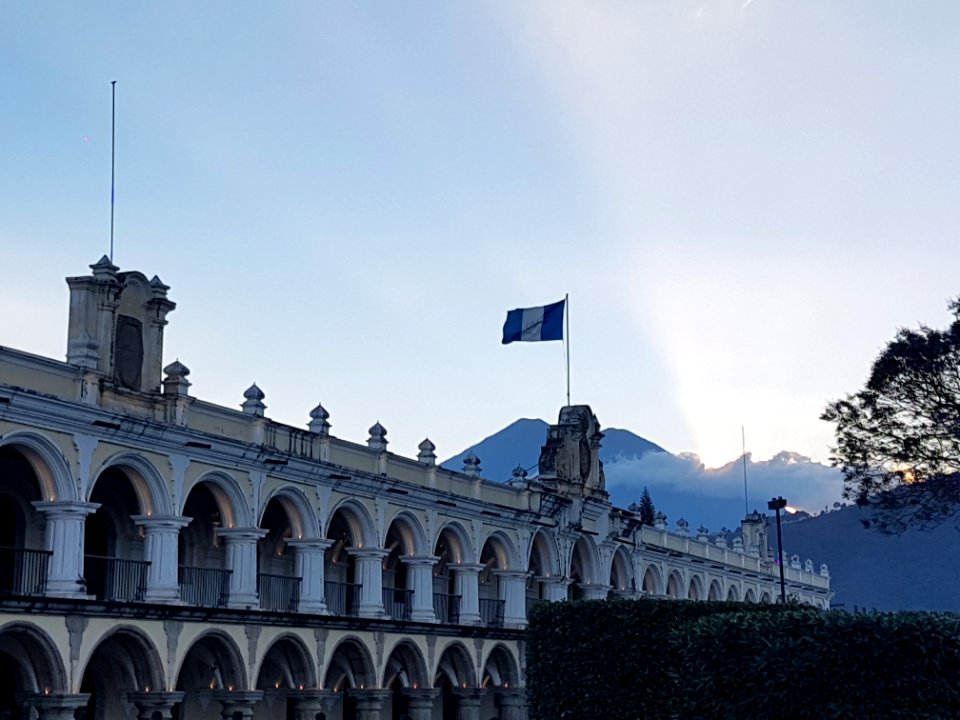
(427, 454)
(378, 437)
(176, 382)
(253, 403)
(318, 421)
(471, 465)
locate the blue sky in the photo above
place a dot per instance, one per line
(743, 199)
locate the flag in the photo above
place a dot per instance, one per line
(534, 324)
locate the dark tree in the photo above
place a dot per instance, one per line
(647, 510)
(898, 439)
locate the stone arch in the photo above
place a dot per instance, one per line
(29, 662)
(766, 597)
(500, 668)
(675, 585)
(410, 532)
(455, 665)
(301, 515)
(213, 661)
(123, 660)
(716, 591)
(231, 503)
(286, 664)
(47, 461)
(405, 664)
(357, 520)
(750, 596)
(584, 563)
(621, 571)
(695, 589)
(733, 593)
(456, 540)
(503, 548)
(350, 666)
(147, 482)
(653, 581)
(544, 548)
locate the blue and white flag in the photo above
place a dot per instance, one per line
(534, 324)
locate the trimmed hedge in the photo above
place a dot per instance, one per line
(624, 660)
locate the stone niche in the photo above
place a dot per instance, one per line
(116, 325)
(570, 459)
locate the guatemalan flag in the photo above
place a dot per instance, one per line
(534, 324)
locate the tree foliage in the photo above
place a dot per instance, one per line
(898, 439)
(647, 511)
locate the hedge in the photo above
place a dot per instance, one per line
(624, 660)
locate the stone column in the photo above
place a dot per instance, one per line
(160, 549)
(149, 703)
(468, 702)
(554, 588)
(308, 703)
(420, 580)
(511, 703)
(467, 586)
(58, 707)
(242, 562)
(421, 702)
(64, 537)
(513, 591)
(233, 702)
(369, 570)
(309, 554)
(594, 592)
(369, 702)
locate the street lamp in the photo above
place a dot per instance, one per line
(778, 504)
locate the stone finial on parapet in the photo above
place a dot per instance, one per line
(660, 520)
(738, 545)
(319, 421)
(519, 476)
(683, 527)
(175, 382)
(824, 571)
(253, 401)
(795, 562)
(471, 466)
(378, 437)
(808, 565)
(427, 454)
(703, 534)
(721, 541)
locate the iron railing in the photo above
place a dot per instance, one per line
(279, 593)
(397, 602)
(342, 598)
(22, 571)
(446, 607)
(491, 611)
(204, 587)
(111, 578)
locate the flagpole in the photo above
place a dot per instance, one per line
(113, 154)
(566, 335)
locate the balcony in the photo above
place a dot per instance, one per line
(279, 593)
(397, 602)
(491, 612)
(342, 598)
(446, 607)
(22, 571)
(115, 579)
(204, 587)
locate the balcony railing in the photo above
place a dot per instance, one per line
(115, 579)
(204, 587)
(22, 571)
(446, 607)
(397, 602)
(342, 598)
(279, 593)
(491, 612)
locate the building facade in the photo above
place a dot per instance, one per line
(163, 557)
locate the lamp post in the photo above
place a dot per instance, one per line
(777, 504)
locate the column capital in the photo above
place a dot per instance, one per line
(467, 568)
(58, 706)
(161, 522)
(368, 553)
(594, 591)
(310, 544)
(512, 574)
(554, 580)
(150, 702)
(55, 509)
(237, 534)
(469, 695)
(419, 560)
(430, 694)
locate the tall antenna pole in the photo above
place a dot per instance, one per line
(746, 502)
(566, 335)
(113, 155)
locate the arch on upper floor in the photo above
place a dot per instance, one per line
(750, 596)
(406, 528)
(30, 659)
(716, 590)
(500, 668)
(286, 664)
(213, 662)
(148, 483)
(123, 660)
(621, 571)
(695, 590)
(455, 666)
(405, 665)
(300, 513)
(675, 585)
(766, 597)
(652, 580)
(47, 462)
(356, 520)
(544, 557)
(454, 542)
(733, 593)
(350, 667)
(231, 504)
(584, 561)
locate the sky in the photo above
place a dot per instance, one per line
(744, 200)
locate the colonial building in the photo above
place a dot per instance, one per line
(163, 557)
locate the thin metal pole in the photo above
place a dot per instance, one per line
(743, 441)
(783, 588)
(566, 315)
(113, 155)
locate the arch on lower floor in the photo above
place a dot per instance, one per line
(405, 667)
(213, 662)
(29, 663)
(455, 667)
(350, 667)
(287, 665)
(500, 669)
(124, 660)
